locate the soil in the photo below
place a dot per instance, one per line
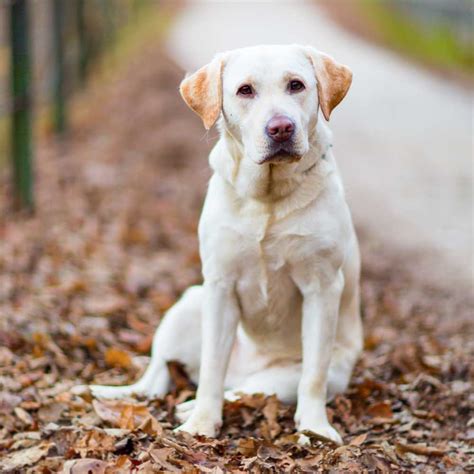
(112, 245)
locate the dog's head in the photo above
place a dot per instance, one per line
(268, 96)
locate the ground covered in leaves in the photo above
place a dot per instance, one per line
(84, 282)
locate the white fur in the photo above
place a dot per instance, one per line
(279, 308)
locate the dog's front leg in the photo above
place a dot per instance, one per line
(220, 317)
(320, 313)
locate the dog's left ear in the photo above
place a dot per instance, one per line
(202, 91)
(333, 80)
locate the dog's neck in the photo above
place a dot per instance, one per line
(284, 183)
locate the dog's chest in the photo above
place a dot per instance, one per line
(270, 300)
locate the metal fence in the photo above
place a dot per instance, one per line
(47, 48)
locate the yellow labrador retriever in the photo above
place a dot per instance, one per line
(278, 312)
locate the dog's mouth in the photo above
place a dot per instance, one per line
(280, 156)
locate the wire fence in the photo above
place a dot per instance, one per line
(47, 49)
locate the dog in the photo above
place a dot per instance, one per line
(278, 312)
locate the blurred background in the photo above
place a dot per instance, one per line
(103, 171)
(48, 49)
(403, 138)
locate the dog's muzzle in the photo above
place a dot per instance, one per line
(280, 130)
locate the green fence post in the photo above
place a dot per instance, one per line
(109, 22)
(60, 119)
(21, 114)
(82, 40)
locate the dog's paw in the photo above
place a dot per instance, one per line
(201, 424)
(183, 411)
(323, 431)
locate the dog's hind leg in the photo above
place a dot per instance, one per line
(281, 381)
(178, 337)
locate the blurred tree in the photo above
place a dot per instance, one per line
(21, 114)
(60, 121)
(83, 46)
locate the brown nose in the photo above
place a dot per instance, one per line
(280, 128)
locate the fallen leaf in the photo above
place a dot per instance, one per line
(248, 447)
(94, 443)
(151, 426)
(24, 416)
(25, 457)
(6, 356)
(270, 412)
(105, 304)
(117, 358)
(178, 375)
(51, 413)
(161, 457)
(380, 410)
(421, 449)
(359, 440)
(121, 414)
(85, 466)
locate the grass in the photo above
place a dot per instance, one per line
(436, 45)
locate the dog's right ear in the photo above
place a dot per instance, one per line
(202, 91)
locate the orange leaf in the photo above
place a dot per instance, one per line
(380, 410)
(121, 414)
(117, 358)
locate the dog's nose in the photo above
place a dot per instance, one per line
(280, 128)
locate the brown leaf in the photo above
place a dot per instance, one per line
(270, 412)
(51, 413)
(161, 457)
(25, 457)
(268, 451)
(85, 466)
(151, 426)
(163, 301)
(94, 443)
(367, 387)
(6, 356)
(11, 339)
(122, 464)
(105, 304)
(178, 375)
(24, 416)
(121, 414)
(143, 345)
(421, 449)
(359, 440)
(248, 447)
(117, 358)
(380, 410)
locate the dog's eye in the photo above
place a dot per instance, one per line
(246, 90)
(295, 86)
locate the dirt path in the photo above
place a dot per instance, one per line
(402, 137)
(84, 282)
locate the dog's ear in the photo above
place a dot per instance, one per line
(202, 91)
(333, 80)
